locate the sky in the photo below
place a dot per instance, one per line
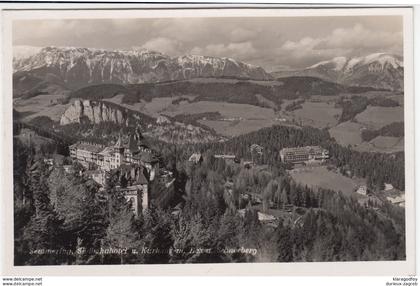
(274, 43)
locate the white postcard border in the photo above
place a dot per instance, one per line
(302, 268)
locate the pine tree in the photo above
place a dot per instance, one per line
(120, 233)
(284, 243)
(284, 198)
(77, 201)
(44, 230)
(157, 235)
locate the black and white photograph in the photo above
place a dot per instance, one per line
(209, 139)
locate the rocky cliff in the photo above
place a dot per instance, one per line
(94, 112)
(89, 111)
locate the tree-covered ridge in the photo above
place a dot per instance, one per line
(395, 129)
(233, 91)
(295, 105)
(378, 168)
(358, 103)
(352, 107)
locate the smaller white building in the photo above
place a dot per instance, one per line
(265, 217)
(398, 200)
(363, 190)
(49, 161)
(69, 169)
(257, 149)
(226, 157)
(196, 158)
(388, 187)
(162, 120)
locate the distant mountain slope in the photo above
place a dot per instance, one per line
(26, 85)
(235, 91)
(79, 67)
(378, 70)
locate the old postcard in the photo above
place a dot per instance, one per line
(275, 139)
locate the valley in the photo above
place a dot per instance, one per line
(319, 114)
(211, 102)
(240, 118)
(245, 97)
(42, 105)
(319, 177)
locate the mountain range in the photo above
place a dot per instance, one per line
(83, 66)
(379, 70)
(58, 69)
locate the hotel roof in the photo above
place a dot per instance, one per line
(106, 151)
(146, 157)
(300, 149)
(224, 156)
(195, 156)
(94, 148)
(141, 179)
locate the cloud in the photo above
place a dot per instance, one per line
(359, 37)
(269, 42)
(303, 45)
(234, 50)
(164, 45)
(242, 35)
(59, 32)
(306, 49)
(351, 41)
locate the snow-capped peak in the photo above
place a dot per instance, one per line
(337, 62)
(377, 70)
(385, 59)
(381, 58)
(347, 65)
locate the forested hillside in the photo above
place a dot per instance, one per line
(378, 168)
(67, 214)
